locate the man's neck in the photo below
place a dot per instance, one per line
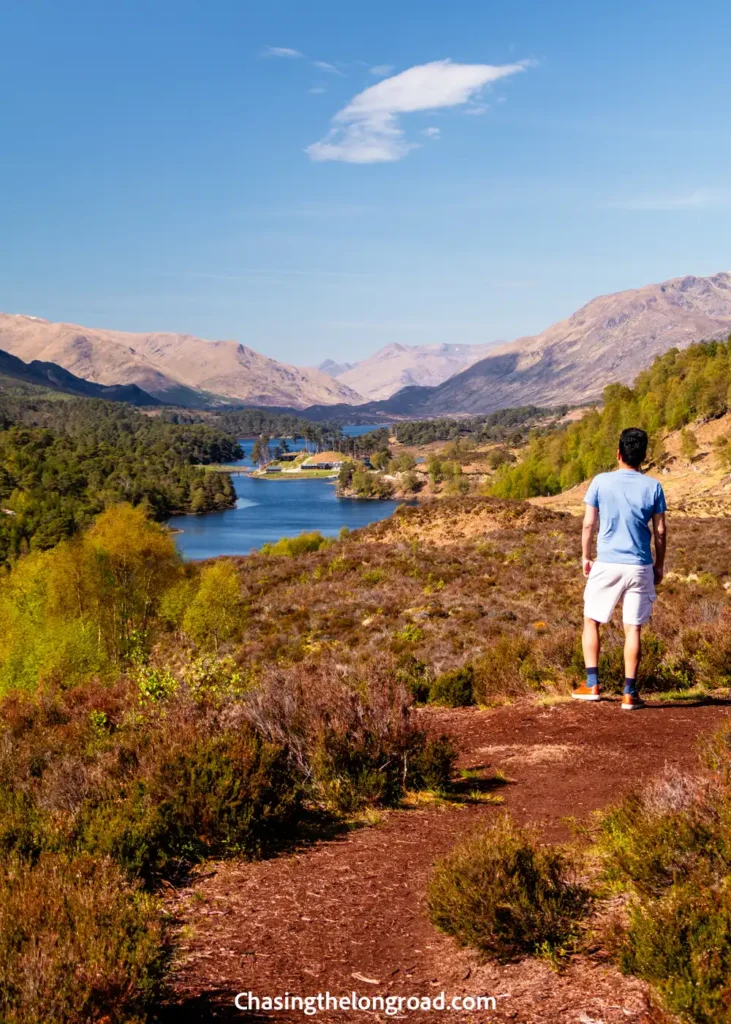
(623, 465)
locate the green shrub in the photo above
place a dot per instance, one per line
(657, 837)
(681, 944)
(504, 894)
(454, 688)
(497, 673)
(669, 848)
(290, 547)
(193, 797)
(78, 943)
(156, 784)
(415, 675)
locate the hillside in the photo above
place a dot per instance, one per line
(178, 369)
(398, 366)
(49, 375)
(612, 338)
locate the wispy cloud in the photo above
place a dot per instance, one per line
(701, 199)
(280, 51)
(381, 70)
(367, 130)
(318, 90)
(323, 65)
(432, 133)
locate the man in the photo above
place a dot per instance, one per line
(625, 503)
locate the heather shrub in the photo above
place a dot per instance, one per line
(415, 676)
(190, 797)
(453, 688)
(668, 847)
(78, 943)
(504, 894)
(681, 944)
(351, 736)
(497, 672)
(656, 837)
(156, 784)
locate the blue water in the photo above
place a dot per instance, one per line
(269, 509)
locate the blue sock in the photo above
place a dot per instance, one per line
(630, 687)
(592, 677)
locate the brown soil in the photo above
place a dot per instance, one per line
(347, 914)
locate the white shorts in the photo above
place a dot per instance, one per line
(609, 582)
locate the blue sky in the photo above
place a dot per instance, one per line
(171, 166)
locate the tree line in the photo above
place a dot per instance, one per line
(507, 425)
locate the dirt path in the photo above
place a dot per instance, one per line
(310, 922)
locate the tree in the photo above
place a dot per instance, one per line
(131, 562)
(260, 453)
(214, 614)
(688, 444)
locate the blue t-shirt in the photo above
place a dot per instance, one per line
(627, 501)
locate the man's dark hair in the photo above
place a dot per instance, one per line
(633, 446)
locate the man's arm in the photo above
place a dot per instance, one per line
(661, 542)
(591, 518)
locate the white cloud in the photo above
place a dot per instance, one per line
(367, 130)
(323, 65)
(280, 51)
(318, 90)
(381, 70)
(432, 133)
(698, 200)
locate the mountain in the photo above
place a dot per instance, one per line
(178, 369)
(397, 366)
(49, 375)
(333, 369)
(610, 339)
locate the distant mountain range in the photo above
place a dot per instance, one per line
(610, 339)
(178, 369)
(49, 375)
(398, 366)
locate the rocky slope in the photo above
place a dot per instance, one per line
(398, 366)
(176, 368)
(612, 338)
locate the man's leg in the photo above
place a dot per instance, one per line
(632, 654)
(631, 700)
(590, 643)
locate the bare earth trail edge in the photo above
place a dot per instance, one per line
(354, 905)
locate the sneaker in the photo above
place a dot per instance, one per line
(585, 692)
(631, 702)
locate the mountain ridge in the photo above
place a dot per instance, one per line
(611, 338)
(56, 378)
(397, 365)
(178, 369)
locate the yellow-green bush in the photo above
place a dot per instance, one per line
(503, 893)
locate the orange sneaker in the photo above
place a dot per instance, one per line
(585, 692)
(631, 702)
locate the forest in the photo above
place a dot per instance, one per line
(63, 461)
(510, 425)
(677, 389)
